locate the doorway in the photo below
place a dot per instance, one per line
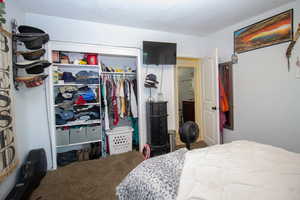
(188, 94)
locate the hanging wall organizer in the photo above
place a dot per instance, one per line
(33, 39)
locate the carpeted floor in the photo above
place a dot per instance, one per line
(90, 180)
(194, 145)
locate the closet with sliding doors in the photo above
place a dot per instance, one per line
(94, 101)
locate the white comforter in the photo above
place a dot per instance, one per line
(240, 170)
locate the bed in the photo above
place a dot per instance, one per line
(238, 170)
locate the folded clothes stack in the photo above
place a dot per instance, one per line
(73, 95)
(87, 112)
(82, 77)
(63, 116)
(85, 77)
(66, 94)
(87, 94)
(70, 101)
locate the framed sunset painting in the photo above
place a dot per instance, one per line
(274, 30)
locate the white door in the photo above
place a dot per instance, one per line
(210, 84)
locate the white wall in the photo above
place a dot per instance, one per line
(91, 32)
(266, 95)
(22, 142)
(63, 29)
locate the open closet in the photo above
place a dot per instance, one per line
(93, 101)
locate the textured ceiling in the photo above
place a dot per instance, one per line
(195, 17)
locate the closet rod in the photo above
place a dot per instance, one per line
(98, 44)
(118, 74)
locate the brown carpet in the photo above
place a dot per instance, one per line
(194, 145)
(90, 180)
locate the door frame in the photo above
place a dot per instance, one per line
(195, 63)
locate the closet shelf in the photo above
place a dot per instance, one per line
(86, 104)
(75, 84)
(68, 145)
(76, 66)
(79, 123)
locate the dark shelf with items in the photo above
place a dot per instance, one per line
(157, 127)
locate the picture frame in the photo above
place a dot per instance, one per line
(268, 32)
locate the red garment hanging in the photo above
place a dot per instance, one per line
(224, 105)
(115, 106)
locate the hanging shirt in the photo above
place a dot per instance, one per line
(224, 105)
(122, 99)
(118, 97)
(127, 97)
(133, 103)
(115, 105)
(106, 118)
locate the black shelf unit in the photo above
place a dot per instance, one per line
(157, 127)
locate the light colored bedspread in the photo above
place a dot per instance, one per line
(240, 170)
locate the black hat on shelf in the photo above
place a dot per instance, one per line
(68, 77)
(32, 55)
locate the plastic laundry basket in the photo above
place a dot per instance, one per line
(120, 140)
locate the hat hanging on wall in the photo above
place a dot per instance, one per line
(34, 67)
(32, 81)
(29, 29)
(32, 55)
(32, 37)
(151, 81)
(33, 41)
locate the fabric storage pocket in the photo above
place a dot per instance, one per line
(93, 133)
(62, 137)
(78, 134)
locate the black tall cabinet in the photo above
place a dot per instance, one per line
(157, 127)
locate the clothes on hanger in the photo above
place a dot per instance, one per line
(106, 119)
(120, 100)
(133, 103)
(224, 106)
